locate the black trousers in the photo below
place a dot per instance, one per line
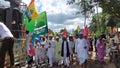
(6, 46)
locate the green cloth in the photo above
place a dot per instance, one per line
(57, 54)
(38, 23)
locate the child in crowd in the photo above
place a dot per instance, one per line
(107, 48)
(31, 53)
(114, 50)
(42, 52)
(113, 44)
(37, 50)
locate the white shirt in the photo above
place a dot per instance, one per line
(37, 47)
(71, 45)
(65, 49)
(4, 31)
(75, 40)
(50, 52)
(81, 43)
(82, 53)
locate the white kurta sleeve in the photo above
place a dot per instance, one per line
(76, 44)
(86, 44)
(46, 44)
(52, 44)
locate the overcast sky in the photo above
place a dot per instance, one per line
(59, 14)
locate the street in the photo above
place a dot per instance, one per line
(92, 63)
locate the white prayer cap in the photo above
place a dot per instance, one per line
(104, 39)
(41, 35)
(70, 35)
(50, 35)
(36, 39)
(57, 37)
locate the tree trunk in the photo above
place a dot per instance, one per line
(98, 23)
(85, 20)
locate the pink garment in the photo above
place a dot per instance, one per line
(31, 51)
(85, 31)
(101, 51)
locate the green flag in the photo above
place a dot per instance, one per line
(38, 25)
(26, 19)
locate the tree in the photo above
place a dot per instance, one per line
(105, 22)
(62, 31)
(109, 6)
(85, 7)
(109, 17)
(101, 26)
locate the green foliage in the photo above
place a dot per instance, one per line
(102, 22)
(109, 6)
(99, 23)
(61, 30)
(110, 17)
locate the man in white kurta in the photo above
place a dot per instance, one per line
(81, 50)
(71, 44)
(42, 52)
(75, 41)
(51, 52)
(65, 51)
(28, 36)
(37, 54)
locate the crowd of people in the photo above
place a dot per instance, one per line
(60, 50)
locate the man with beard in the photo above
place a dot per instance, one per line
(65, 51)
(82, 51)
(51, 51)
